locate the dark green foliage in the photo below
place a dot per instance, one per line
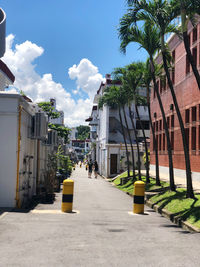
(49, 109)
(83, 132)
(61, 130)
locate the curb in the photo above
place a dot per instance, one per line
(165, 213)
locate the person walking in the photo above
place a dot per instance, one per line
(90, 165)
(96, 168)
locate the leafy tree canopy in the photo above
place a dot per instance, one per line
(83, 132)
(49, 109)
(61, 130)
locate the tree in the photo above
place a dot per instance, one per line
(83, 132)
(119, 74)
(147, 77)
(49, 110)
(62, 131)
(161, 13)
(149, 39)
(114, 98)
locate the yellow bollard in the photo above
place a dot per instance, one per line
(138, 197)
(67, 197)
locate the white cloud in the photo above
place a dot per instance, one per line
(87, 76)
(20, 59)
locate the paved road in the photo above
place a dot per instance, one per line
(102, 232)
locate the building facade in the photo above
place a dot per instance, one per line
(106, 133)
(188, 97)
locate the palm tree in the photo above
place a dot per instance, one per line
(119, 74)
(161, 13)
(147, 77)
(132, 82)
(148, 38)
(114, 98)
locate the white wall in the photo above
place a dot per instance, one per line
(9, 115)
(8, 148)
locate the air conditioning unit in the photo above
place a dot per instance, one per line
(39, 126)
(52, 138)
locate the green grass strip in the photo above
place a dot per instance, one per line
(183, 208)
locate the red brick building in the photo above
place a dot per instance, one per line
(188, 96)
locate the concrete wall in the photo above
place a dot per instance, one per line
(28, 164)
(8, 148)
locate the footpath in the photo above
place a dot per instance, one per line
(180, 181)
(102, 231)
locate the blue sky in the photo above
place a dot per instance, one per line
(61, 34)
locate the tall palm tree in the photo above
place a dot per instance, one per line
(119, 74)
(161, 13)
(133, 83)
(114, 98)
(147, 77)
(148, 38)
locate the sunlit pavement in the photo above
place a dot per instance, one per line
(102, 231)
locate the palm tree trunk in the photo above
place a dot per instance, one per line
(187, 44)
(137, 143)
(190, 193)
(145, 144)
(169, 149)
(155, 144)
(123, 132)
(129, 136)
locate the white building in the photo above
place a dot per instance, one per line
(106, 132)
(25, 145)
(60, 119)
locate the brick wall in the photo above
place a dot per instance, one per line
(188, 96)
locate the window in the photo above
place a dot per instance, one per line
(193, 140)
(173, 75)
(194, 113)
(187, 130)
(168, 122)
(194, 35)
(172, 140)
(163, 142)
(160, 141)
(187, 69)
(194, 53)
(156, 126)
(160, 126)
(172, 121)
(187, 116)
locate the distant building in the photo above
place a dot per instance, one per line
(106, 133)
(60, 119)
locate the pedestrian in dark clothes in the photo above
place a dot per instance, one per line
(96, 168)
(90, 165)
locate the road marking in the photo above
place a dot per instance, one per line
(135, 214)
(54, 212)
(2, 215)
